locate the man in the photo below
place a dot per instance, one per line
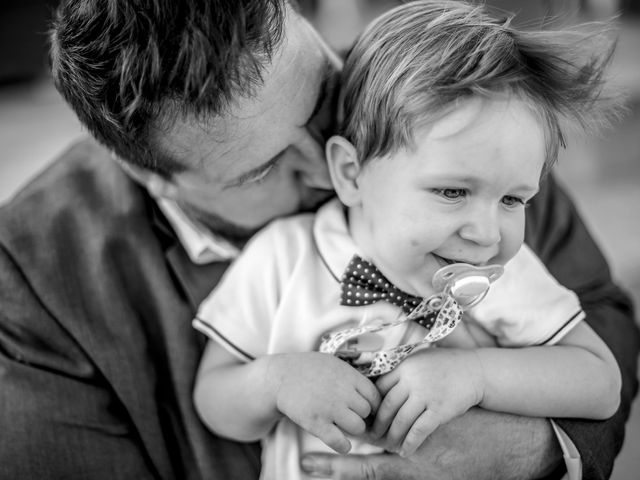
(212, 116)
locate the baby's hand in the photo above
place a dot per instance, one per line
(323, 395)
(426, 390)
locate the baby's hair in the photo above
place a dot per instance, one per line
(414, 63)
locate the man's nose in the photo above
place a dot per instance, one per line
(482, 226)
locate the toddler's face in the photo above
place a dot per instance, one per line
(459, 196)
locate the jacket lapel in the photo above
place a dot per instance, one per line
(196, 281)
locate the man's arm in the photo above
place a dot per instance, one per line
(522, 447)
(480, 444)
(557, 234)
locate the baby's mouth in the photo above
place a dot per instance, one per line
(444, 261)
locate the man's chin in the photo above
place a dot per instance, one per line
(239, 234)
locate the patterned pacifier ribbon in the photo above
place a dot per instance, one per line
(363, 284)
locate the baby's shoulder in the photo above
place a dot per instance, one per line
(289, 236)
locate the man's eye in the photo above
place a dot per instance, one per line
(511, 201)
(261, 176)
(450, 193)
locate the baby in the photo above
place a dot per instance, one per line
(450, 120)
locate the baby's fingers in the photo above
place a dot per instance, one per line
(402, 423)
(424, 426)
(334, 438)
(350, 422)
(387, 411)
(362, 405)
(368, 392)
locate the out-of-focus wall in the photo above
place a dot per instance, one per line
(603, 175)
(23, 33)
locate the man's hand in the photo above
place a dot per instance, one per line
(323, 395)
(480, 444)
(426, 390)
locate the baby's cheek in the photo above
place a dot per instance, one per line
(509, 245)
(509, 252)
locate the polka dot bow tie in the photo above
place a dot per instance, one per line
(363, 284)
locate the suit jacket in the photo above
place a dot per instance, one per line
(97, 352)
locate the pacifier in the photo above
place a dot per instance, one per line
(460, 286)
(466, 283)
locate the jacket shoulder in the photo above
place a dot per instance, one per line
(83, 181)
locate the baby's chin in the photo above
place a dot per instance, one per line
(414, 277)
(416, 283)
(421, 283)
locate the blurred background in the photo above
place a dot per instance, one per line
(602, 174)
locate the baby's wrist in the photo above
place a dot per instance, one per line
(478, 375)
(272, 370)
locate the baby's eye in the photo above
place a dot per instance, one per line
(450, 193)
(511, 201)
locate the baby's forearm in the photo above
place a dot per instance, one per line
(237, 400)
(555, 381)
(318, 392)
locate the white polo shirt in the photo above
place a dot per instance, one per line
(283, 293)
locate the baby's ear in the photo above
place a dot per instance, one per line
(344, 168)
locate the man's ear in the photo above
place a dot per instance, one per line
(344, 168)
(156, 184)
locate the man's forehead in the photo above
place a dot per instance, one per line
(285, 100)
(290, 81)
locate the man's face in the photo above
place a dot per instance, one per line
(458, 196)
(265, 158)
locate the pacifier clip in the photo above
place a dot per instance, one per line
(460, 287)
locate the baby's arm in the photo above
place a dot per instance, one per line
(577, 377)
(319, 392)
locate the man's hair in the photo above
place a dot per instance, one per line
(415, 62)
(129, 67)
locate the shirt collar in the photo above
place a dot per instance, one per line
(333, 240)
(330, 231)
(202, 245)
